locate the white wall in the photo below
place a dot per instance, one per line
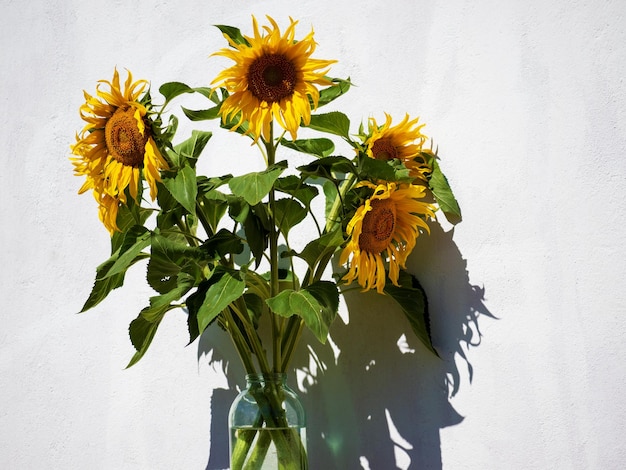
(527, 104)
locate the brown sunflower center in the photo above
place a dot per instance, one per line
(124, 141)
(378, 226)
(272, 77)
(383, 149)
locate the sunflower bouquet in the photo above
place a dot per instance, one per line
(219, 247)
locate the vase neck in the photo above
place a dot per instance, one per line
(275, 378)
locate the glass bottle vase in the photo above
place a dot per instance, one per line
(267, 426)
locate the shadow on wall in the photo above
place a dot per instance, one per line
(379, 399)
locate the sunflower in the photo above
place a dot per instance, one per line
(115, 146)
(403, 141)
(384, 228)
(273, 77)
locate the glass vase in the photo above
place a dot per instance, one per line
(267, 426)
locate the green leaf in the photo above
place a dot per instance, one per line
(316, 305)
(392, 170)
(160, 304)
(135, 240)
(334, 122)
(168, 257)
(141, 333)
(183, 188)
(440, 188)
(194, 145)
(331, 192)
(144, 327)
(213, 207)
(327, 295)
(256, 227)
(161, 273)
(224, 287)
(253, 187)
(103, 285)
(321, 247)
(171, 90)
(288, 213)
(129, 215)
(411, 298)
(320, 147)
(222, 243)
(174, 249)
(256, 306)
(326, 167)
(208, 185)
(331, 93)
(295, 187)
(202, 114)
(238, 208)
(233, 33)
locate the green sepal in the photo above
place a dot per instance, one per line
(334, 122)
(320, 147)
(412, 299)
(233, 33)
(253, 187)
(317, 305)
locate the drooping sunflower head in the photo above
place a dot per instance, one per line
(403, 141)
(272, 78)
(383, 232)
(116, 149)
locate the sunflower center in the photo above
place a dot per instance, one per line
(378, 226)
(272, 77)
(383, 149)
(124, 141)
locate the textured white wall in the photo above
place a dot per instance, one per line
(527, 104)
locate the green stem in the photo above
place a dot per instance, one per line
(293, 330)
(257, 348)
(203, 219)
(338, 203)
(273, 246)
(240, 343)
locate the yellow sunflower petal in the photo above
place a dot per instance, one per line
(271, 79)
(115, 146)
(383, 232)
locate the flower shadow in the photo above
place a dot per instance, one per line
(375, 397)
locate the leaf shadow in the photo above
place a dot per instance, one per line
(375, 397)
